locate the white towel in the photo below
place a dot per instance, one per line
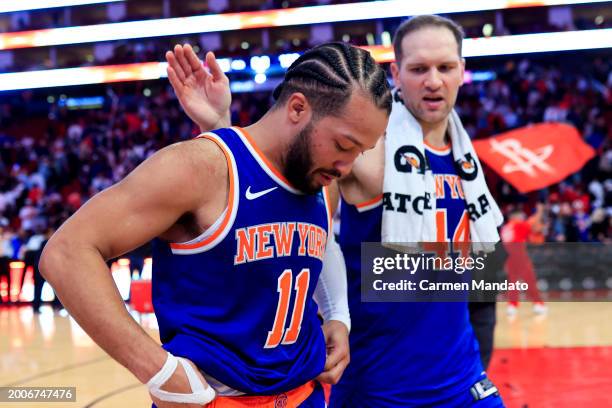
(408, 174)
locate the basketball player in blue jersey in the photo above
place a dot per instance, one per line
(240, 224)
(402, 354)
(412, 354)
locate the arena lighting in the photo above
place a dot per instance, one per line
(92, 102)
(287, 59)
(477, 47)
(17, 265)
(260, 64)
(257, 19)
(237, 65)
(519, 44)
(481, 76)
(8, 6)
(82, 75)
(252, 86)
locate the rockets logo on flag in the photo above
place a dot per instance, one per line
(534, 157)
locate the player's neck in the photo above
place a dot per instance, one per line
(267, 134)
(435, 134)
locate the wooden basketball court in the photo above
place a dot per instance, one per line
(562, 359)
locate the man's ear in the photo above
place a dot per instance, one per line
(462, 65)
(298, 108)
(395, 74)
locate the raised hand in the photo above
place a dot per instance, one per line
(204, 94)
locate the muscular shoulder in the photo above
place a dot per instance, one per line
(206, 159)
(183, 178)
(190, 171)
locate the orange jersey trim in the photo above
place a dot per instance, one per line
(263, 157)
(438, 149)
(330, 214)
(230, 203)
(288, 399)
(369, 202)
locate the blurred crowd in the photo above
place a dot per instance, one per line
(580, 207)
(53, 159)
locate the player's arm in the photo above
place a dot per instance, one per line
(365, 180)
(332, 298)
(331, 291)
(204, 94)
(176, 180)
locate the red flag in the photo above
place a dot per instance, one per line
(534, 157)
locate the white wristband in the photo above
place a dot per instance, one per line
(200, 393)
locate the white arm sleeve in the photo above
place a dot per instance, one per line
(331, 291)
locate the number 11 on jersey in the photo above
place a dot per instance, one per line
(279, 334)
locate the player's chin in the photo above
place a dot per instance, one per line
(312, 187)
(434, 117)
(327, 180)
(314, 183)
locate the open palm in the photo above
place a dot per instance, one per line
(205, 96)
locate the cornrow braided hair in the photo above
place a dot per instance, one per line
(329, 73)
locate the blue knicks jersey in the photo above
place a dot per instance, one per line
(406, 354)
(237, 300)
(452, 218)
